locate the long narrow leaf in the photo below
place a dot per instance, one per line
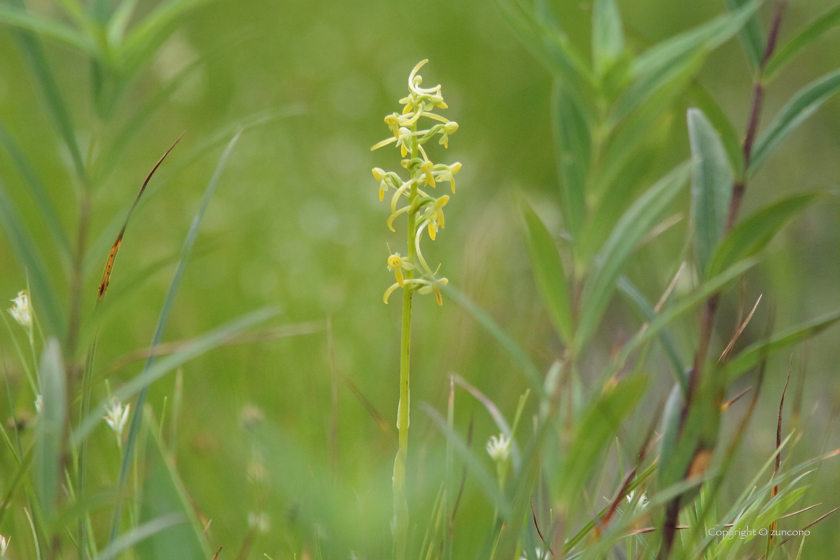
(806, 36)
(750, 236)
(800, 107)
(607, 35)
(751, 35)
(549, 273)
(139, 534)
(572, 144)
(626, 235)
(752, 355)
(711, 185)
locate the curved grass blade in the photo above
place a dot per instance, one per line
(808, 35)
(519, 356)
(37, 61)
(711, 185)
(31, 260)
(50, 429)
(548, 272)
(137, 416)
(140, 533)
(628, 232)
(38, 193)
(752, 355)
(800, 107)
(753, 234)
(112, 255)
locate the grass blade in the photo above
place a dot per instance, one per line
(50, 429)
(140, 533)
(800, 107)
(548, 272)
(711, 185)
(137, 417)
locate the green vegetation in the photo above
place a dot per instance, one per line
(627, 360)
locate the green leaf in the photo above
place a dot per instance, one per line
(572, 144)
(37, 60)
(547, 43)
(596, 430)
(21, 19)
(751, 35)
(751, 356)
(44, 298)
(754, 233)
(657, 66)
(50, 429)
(707, 36)
(607, 35)
(711, 185)
(800, 107)
(728, 135)
(808, 35)
(548, 272)
(517, 353)
(628, 232)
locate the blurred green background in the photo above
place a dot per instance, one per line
(296, 223)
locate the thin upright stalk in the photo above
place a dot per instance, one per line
(400, 501)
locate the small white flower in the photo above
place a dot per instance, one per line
(21, 311)
(39, 403)
(4, 543)
(498, 447)
(117, 417)
(258, 521)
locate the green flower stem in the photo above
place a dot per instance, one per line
(400, 501)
